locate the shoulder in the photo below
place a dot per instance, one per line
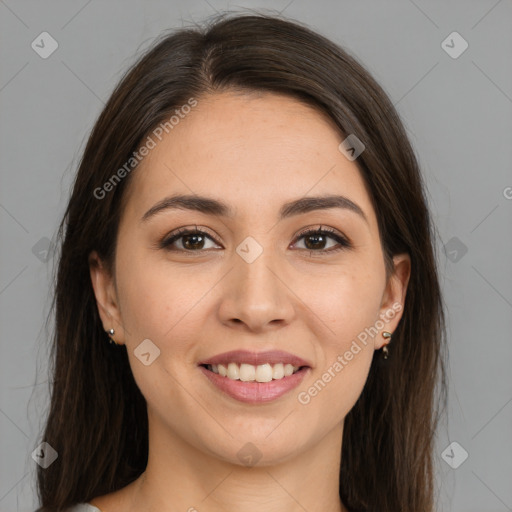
(79, 507)
(83, 507)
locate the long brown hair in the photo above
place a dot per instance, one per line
(97, 420)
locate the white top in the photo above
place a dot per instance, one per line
(83, 507)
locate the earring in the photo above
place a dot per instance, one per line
(385, 350)
(111, 333)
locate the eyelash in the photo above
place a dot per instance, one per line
(342, 241)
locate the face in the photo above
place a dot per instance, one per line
(273, 280)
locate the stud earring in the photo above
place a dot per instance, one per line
(111, 333)
(385, 350)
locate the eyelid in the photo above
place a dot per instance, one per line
(180, 232)
(319, 227)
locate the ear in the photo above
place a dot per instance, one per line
(106, 297)
(393, 298)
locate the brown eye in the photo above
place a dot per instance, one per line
(195, 240)
(190, 240)
(315, 240)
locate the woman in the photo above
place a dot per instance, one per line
(248, 309)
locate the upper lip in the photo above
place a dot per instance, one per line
(256, 358)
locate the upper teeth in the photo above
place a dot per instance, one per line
(248, 372)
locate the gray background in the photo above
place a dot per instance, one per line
(458, 115)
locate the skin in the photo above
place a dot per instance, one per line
(254, 151)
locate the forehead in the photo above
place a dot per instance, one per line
(252, 150)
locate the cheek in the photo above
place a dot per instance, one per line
(347, 302)
(344, 357)
(347, 305)
(159, 303)
(157, 298)
(333, 389)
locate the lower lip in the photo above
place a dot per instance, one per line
(255, 392)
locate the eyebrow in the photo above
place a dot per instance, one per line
(215, 207)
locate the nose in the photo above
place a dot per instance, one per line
(256, 296)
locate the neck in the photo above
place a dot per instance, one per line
(178, 476)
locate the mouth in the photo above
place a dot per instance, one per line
(250, 373)
(255, 377)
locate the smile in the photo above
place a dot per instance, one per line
(253, 377)
(251, 373)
